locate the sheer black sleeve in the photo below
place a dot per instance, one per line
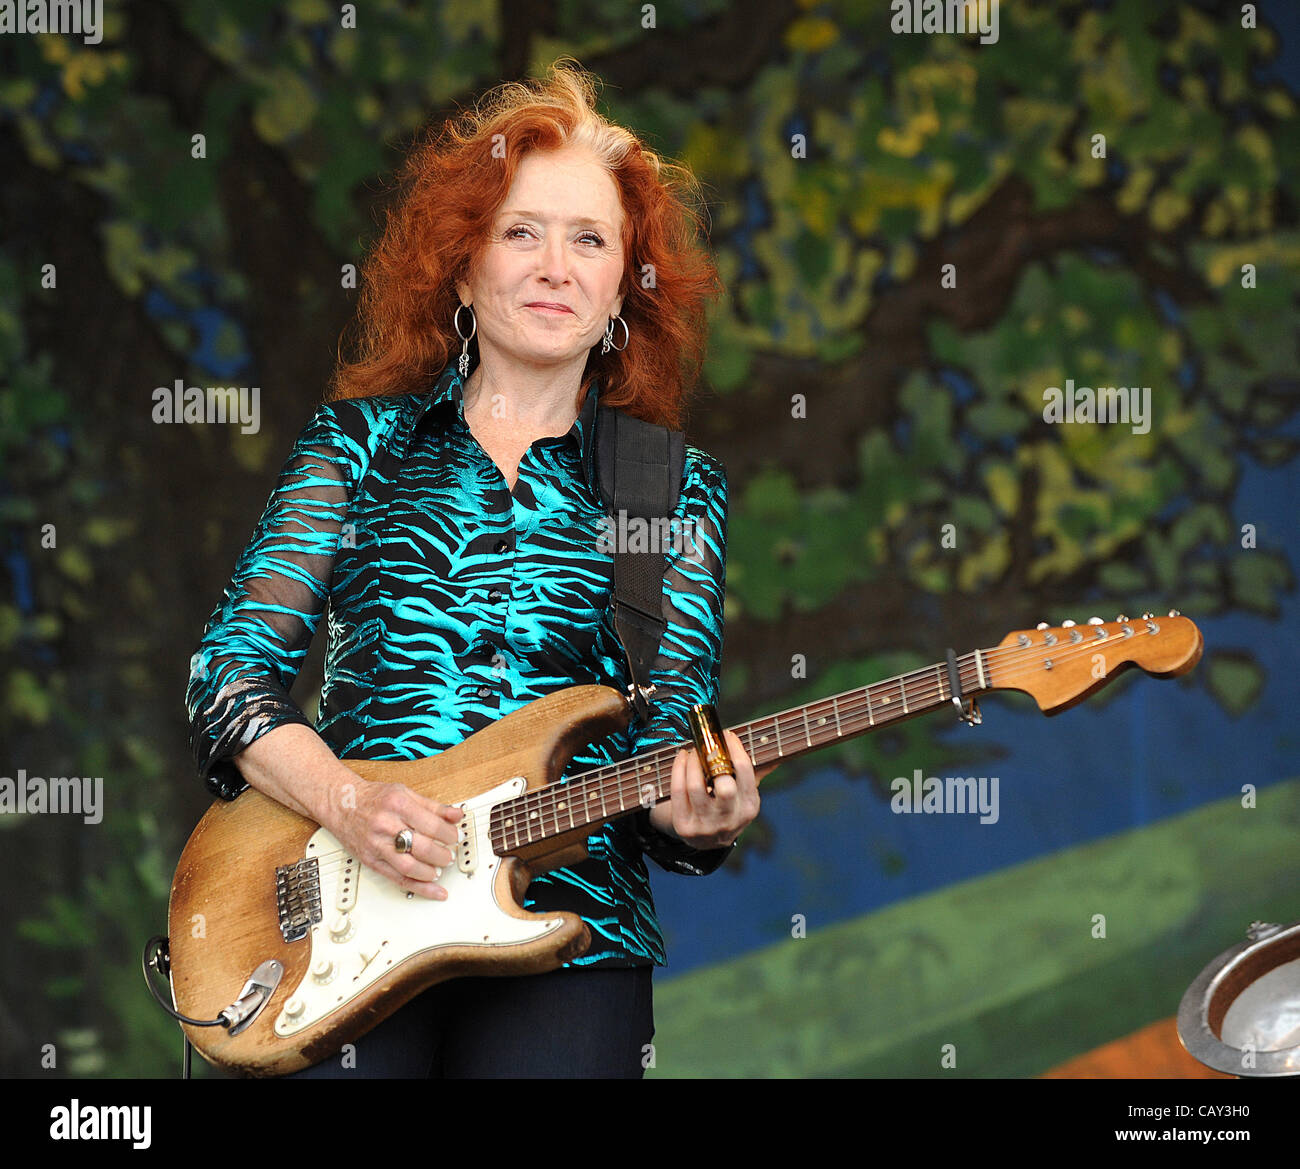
(257, 636)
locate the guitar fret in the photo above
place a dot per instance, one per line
(776, 726)
(871, 718)
(902, 691)
(979, 665)
(806, 735)
(835, 707)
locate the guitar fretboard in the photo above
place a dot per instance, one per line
(620, 789)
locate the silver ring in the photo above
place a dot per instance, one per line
(404, 840)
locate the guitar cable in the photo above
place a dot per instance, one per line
(157, 956)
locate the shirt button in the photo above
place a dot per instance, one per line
(485, 691)
(502, 546)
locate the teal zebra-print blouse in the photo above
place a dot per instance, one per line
(451, 603)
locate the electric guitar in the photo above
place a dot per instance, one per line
(300, 949)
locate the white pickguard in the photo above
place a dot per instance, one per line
(369, 925)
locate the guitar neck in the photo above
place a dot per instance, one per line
(620, 789)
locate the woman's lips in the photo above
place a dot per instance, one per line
(550, 308)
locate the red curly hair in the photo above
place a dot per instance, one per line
(452, 188)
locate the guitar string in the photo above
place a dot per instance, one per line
(594, 782)
(658, 761)
(923, 690)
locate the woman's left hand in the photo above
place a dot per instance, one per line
(710, 821)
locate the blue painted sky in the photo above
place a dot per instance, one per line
(1155, 749)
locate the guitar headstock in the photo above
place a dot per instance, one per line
(1064, 664)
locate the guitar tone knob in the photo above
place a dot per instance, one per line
(294, 1007)
(322, 971)
(341, 928)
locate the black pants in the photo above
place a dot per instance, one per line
(571, 1023)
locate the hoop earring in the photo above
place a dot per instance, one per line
(608, 342)
(463, 364)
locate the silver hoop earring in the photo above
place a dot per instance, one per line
(608, 343)
(463, 364)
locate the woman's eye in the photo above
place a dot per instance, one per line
(513, 233)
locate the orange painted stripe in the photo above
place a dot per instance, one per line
(1152, 1053)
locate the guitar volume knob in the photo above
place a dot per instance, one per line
(341, 928)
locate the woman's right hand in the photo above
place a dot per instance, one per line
(367, 816)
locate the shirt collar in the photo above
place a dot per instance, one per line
(448, 390)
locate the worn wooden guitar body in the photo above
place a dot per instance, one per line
(373, 947)
(303, 949)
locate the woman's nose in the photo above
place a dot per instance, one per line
(555, 259)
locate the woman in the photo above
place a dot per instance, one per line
(454, 530)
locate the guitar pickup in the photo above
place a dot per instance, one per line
(466, 848)
(345, 896)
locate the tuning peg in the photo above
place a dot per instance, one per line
(1174, 613)
(1120, 617)
(1095, 621)
(1041, 625)
(1067, 624)
(1147, 616)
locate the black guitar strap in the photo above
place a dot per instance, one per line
(640, 467)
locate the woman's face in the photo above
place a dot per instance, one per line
(556, 241)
